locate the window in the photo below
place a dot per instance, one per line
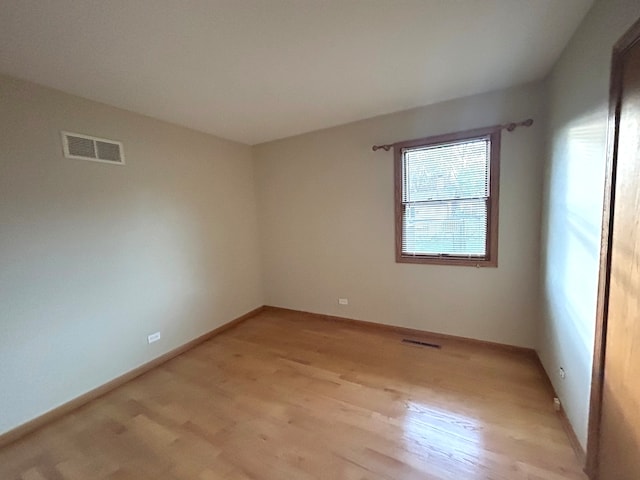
(447, 199)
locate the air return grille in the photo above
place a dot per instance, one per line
(84, 147)
(420, 343)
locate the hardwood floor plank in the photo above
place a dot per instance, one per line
(286, 395)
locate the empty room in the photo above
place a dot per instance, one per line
(319, 239)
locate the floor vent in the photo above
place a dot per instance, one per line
(84, 147)
(422, 344)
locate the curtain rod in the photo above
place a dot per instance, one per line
(509, 127)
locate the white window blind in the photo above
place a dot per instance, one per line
(445, 199)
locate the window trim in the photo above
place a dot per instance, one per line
(491, 259)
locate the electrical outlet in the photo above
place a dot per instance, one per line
(343, 301)
(563, 374)
(154, 337)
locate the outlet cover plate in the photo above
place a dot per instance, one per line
(154, 337)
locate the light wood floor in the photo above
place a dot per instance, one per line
(287, 396)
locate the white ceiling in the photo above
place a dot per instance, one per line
(258, 70)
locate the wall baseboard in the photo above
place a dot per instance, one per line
(40, 421)
(573, 438)
(411, 331)
(566, 424)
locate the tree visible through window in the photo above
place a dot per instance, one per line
(447, 198)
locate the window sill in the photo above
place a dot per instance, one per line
(454, 261)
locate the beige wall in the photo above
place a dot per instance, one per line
(574, 185)
(95, 257)
(326, 223)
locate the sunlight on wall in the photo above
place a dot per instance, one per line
(575, 224)
(571, 259)
(578, 112)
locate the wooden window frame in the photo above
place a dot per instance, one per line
(491, 257)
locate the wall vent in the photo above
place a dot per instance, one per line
(84, 147)
(422, 344)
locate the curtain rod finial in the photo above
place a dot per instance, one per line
(510, 127)
(386, 148)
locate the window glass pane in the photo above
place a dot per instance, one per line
(457, 227)
(449, 171)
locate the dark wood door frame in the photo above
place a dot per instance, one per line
(628, 40)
